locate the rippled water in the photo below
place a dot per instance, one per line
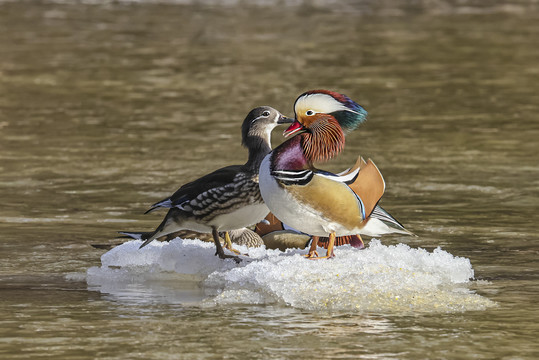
(108, 107)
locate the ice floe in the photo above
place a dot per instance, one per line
(380, 278)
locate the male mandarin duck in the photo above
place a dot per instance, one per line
(314, 201)
(380, 222)
(226, 199)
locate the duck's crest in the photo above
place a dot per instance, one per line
(348, 113)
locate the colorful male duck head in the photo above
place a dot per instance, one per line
(324, 117)
(314, 106)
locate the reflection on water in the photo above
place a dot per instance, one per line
(108, 107)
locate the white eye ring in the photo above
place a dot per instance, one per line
(310, 112)
(266, 113)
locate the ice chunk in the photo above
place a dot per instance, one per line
(190, 259)
(377, 279)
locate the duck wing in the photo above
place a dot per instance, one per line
(365, 180)
(218, 181)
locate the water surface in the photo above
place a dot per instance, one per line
(107, 108)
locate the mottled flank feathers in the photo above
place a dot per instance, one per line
(245, 237)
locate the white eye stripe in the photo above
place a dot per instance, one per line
(319, 103)
(264, 115)
(310, 112)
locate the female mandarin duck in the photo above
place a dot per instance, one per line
(314, 201)
(226, 199)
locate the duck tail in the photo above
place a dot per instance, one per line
(381, 214)
(135, 235)
(165, 203)
(148, 237)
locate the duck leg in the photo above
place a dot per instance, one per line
(329, 253)
(228, 244)
(313, 254)
(220, 252)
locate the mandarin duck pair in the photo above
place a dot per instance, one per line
(285, 182)
(318, 202)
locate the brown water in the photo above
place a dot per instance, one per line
(105, 109)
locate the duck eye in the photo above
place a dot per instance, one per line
(310, 113)
(266, 113)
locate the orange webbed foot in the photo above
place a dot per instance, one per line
(329, 253)
(311, 255)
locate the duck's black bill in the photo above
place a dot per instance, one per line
(285, 120)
